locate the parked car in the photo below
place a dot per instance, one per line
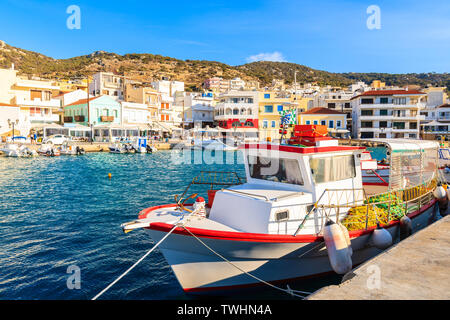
(56, 139)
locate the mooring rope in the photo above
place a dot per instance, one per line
(139, 261)
(288, 290)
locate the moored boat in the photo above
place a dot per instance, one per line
(70, 149)
(17, 151)
(280, 224)
(48, 150)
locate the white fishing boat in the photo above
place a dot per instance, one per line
(17, 151)
(70, 149)
(303, 211)
(49, 150)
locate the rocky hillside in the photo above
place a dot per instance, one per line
(146, 67)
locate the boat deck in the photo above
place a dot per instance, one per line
(373, 190)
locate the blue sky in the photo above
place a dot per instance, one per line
(323, 34)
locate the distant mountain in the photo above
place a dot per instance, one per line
(146, 67)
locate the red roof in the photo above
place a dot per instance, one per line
(82, 101)
(320, 110)
(446, 105)
(388, 93)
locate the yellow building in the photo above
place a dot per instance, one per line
(139, 93)
(377, 84)
(271, 106)
(335, 121)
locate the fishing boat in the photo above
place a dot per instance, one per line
(70, 149)
(302, 211)
(48, 150)
(17, 151)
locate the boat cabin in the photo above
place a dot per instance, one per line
(285, 181)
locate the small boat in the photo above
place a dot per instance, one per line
(17, 151)
(49, 150)
(70, 149)
(141, 145)
(298, 203)
(120, 147)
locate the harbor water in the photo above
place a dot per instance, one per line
(64, 211)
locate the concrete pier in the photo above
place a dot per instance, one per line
(417, 268)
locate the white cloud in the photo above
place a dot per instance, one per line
(274, 56)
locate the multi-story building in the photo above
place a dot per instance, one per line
(135, 115)
(212, 84)
(237, 111)
(168, 87)
(34, 98)
(144, 94)
(388, 114)
(198, 110)
(271, 107)
(337, 99)
(101, 110)
(109, 84)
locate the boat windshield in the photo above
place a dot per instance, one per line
(335, 168)
(275, 169)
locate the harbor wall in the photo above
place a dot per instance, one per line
(416, 268)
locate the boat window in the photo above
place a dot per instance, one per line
(275, 169)
(330, 169)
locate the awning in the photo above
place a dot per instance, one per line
(434, 123)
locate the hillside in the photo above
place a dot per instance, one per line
(147, 67)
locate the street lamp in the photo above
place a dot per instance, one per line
(12, 123)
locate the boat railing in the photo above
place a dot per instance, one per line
(214, 178)
(407, 200)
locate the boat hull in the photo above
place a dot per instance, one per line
(270, 258)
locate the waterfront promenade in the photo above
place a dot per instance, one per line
(416, 268)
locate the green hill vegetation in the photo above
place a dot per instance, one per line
(146, 67)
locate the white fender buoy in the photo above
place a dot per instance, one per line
(347, 238)
(405, 227)
(337, 247)
(440, 193)
(381, 238)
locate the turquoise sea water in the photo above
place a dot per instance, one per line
(63, 211)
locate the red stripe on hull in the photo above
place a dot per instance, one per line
(259, 237)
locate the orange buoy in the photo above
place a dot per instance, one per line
(109, 175)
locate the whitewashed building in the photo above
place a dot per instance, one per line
(388, 114)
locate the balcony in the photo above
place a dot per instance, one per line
(54, 103)
(68, 119)
(392, 106)
(106, 118)
(79, 118)
(39, 117)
